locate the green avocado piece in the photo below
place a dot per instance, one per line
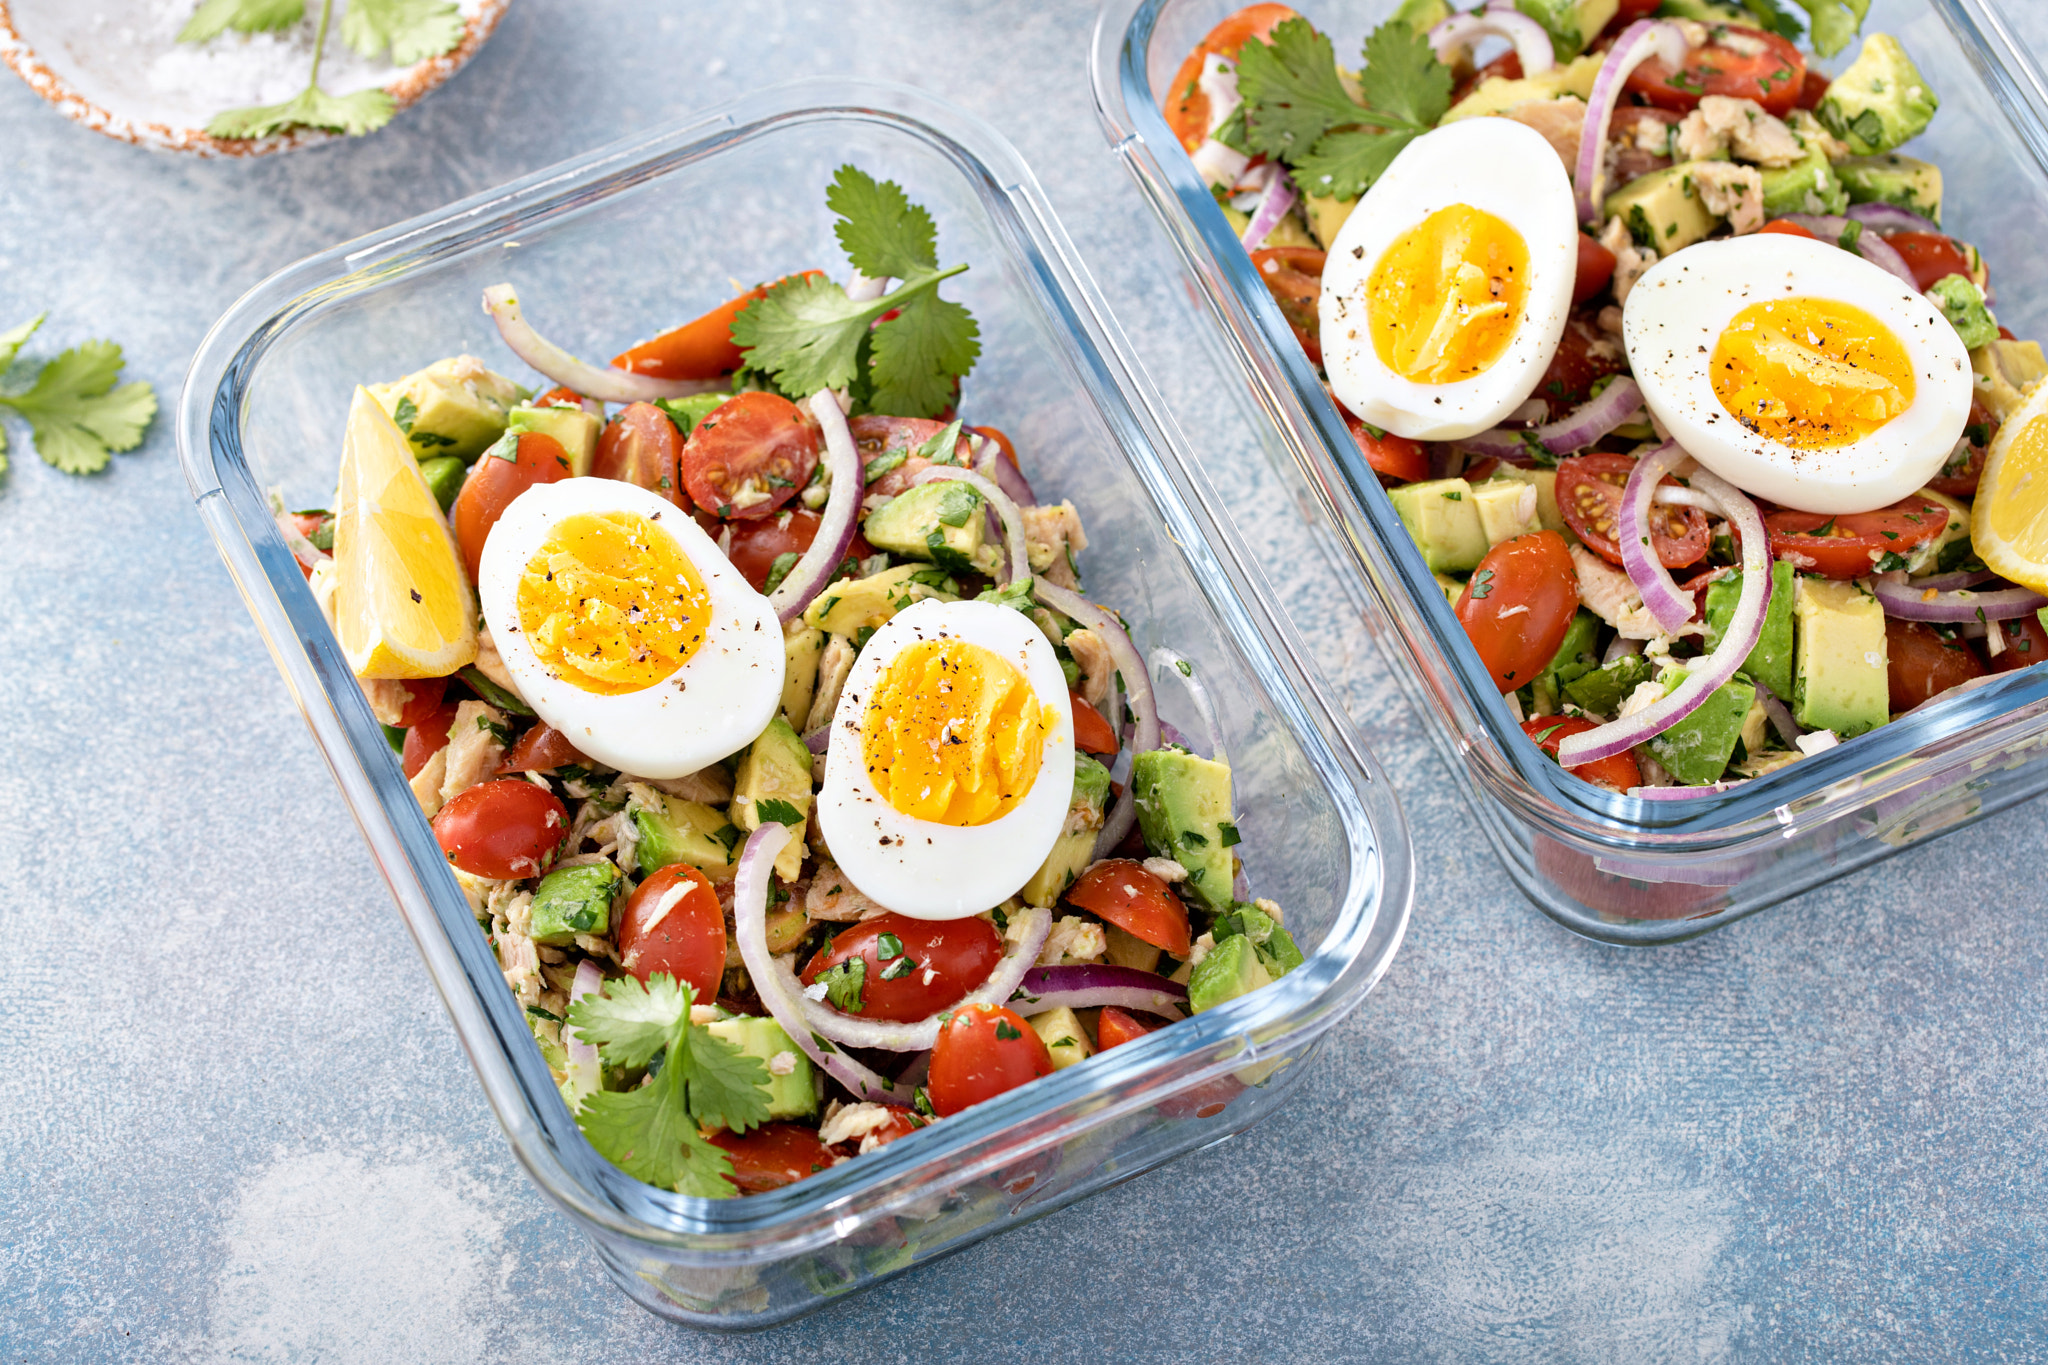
(1183, 803)
(1842, 683)
(1274, 945)
(1443, 517)
(868, 603)
(573, 900)
(452, 407)
(777, 768)
(1571, 24)
(1912, 184)
(1705, 11)
(547, 1032)
(791, 1095)
(1231, 969)
(1662, 209)
(672, 830)
(1809, 185)
(1696, 750)
(687, 412)
(1577, 656)
(444, 474)
(1962, 303)
(1770, 663)
(1881, 101)
(1423, 15)
(1072, 851)
(1603, 690)
(940, 522)
(576, 429)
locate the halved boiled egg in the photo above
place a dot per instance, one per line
(951, 764)
(1798, 371)
(1448, 287)
(627, 630)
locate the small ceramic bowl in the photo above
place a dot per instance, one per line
(117, 67)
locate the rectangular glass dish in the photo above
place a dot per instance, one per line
(606, 248)
(1614, 867)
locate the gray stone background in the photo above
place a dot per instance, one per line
(235, 1125)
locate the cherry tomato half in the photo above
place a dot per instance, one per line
(492, 485)
(699, 349)
(1092, 734)
(1595, 270)
(1785, 228)
(1921, 663)
(1617, 773)
(1850, 544)
(1585, 355)
(1812, 90)
(1187, 106)
(1121, 892)
(423, 699)
(773, 1155)
(561, 396)
(915, 967)
(756, 545)
(1589, 495)
(1507, 67)
(2026, 644)
(1116, 1028)
(1396, 459)
(1002, 441)
(425, 738)
(1965, 467)
(1740, 62)
(1931, 256)
(1518, 605)
(640, 446)
(876, 437)
(1294, 277)
(686, 939)
(542, 749)
(983, 1051)
(752, 443)
(503, 829)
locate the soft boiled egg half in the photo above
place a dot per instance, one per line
(1448, 287)
(1798, 371)
(627, 630)
(951, 763)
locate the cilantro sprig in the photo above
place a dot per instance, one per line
(655, 1132)
(75, 415)
(1297, 109)
(900, 354)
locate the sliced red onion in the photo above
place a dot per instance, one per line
(584, 1068)
(1869, 245)
(1640, 41)
(303, 550)
(1032, 925)
(1948, 582)
(1891, 218)
(1506, 446)
(1782, 720)
(1669, 607)
(1587, 423)
(1019, 565)
(808, 577)
(1914, 602)
(992, 465)
(819, 740)
(1174, 665)
(1705, 674)
(776, 985)
(1090, 985)
(600, 382)
(1137, 694)
(1273, 205)
(1461, 31)
(861, 289)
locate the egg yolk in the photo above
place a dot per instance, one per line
(1811, 373)
(610, 604)
(1444, 301)
(953, 733)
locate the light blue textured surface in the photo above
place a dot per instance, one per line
(238, 1127)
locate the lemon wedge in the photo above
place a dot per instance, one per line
(402, 605)
(2009, 523)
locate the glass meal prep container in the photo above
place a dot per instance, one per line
(607, 248)
(1614, 867)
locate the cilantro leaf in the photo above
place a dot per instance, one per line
(881, 231)
(1835, 22)
(1343, 165)
(844, 983)
(364, 111)
(728, 1086)
(778, 811)
(806, 333)
(918, 353)
(216, 17)
(11, 339)
(650, 1134)
(630, 1022)
(75, 413)
(1402, 81)
(414, 30)
(1291, 92)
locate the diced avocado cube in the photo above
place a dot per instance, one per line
(1444, 520)
(574, 428)
(1603, 690)
(1548, 515)
(1275, 946)
(547, 1032)
(2005, 371)
(802, 646)
(1452, 588)
(1231, 969)
(1842, 683)
(1326, 216)
(1497, 95)
(1809, 185)
(444, 475)
(1880, 101)
(672, 830)
(1507, 508)
(1696, 750)
(1184, 811)
(1888, 178)
(1928, 556)
(1423, 15)
(1577, 656)
(941, 522)
(777, 768)
(1075, 848)
(452, 407)
(1128, 950)
(687, 412)
(1705, 11)
(1770, 663)
(1571, 24)
(573, 900)
(1962, 303)
(1662, 209)
(1064, 1038)
(868, 603)
(792, 1091)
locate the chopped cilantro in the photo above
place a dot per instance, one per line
(843, 984)
(1006, 1032)
(1230, 834)
(778, 811)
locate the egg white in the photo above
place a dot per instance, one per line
(922, 868)
(1674, 318)
(714, 705)
(1499, 167)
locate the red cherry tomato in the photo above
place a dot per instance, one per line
(426, 738)
(1617, 773)
(758, 442)
(1518, 605)
(1116, 1028)
(1121, 892)
(1294, 277)
(1187, 105)
(1812, 90)
(700, 349)
(1002, 443)
(1921, 664)
(504, 829)
(306, 523)
(1589, 496)
(983, 1051)
(640, 446)
(1630, 11)
(1851, 544)
(423, 699)
(686, 941)
(956, 954)
(1585, 355)
(2026, 644)
(1930, 256)
(756, 545)
(1787, 229)
(542, 749)
(561, 396)
(1959, 477)
(876, 436)
(1596, 270)
(1507, 66)
(773, 1155)
(1740, 62)
(1092, 734)
(493, 484)
(1396, 459)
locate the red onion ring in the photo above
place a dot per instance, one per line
(1273, 205)
(1641, 40)
(1137, 694)
(1703, 675)
(1460, 32)
(1668, 607)
(1891, 218)
(1019, 566)
(1869, 244)
(600, 382)
(1575, 430)
(819, 740)
(1947, 582)
(1089, 985)
(584, 1068)
(992, 465)
(808, 577)
(1916, 602)
(1782, 720)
